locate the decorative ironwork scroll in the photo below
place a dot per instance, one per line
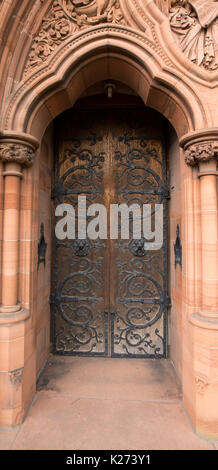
(80, 323)
(110, 296)
(139, 296)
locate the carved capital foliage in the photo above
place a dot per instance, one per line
(201, 152)
(195, 26)
(15, 149)
(16, 153)
(66, 17)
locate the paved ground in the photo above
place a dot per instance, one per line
(106, 404)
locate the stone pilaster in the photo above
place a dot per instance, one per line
(200, 392)
(17, 363)
(16, 152)
(201, 149)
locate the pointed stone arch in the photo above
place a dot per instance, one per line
(102, 53)
(142, 55)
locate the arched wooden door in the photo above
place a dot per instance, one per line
(110, 296)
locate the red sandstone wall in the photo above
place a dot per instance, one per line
(175, 281)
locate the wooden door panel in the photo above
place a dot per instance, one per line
(139, 295)
(110, 296)
(81, 265)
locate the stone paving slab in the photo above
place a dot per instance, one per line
(111, 378)
(106, 404)
(7, 438)
(62, 423)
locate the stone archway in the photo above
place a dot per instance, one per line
(139, 54)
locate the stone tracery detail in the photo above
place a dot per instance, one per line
(16, 153)
(195, 25)
(67, 17)
(201, 152)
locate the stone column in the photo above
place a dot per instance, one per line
(16, 152)
(201, 152)
(17, 372)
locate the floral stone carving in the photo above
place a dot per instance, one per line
(66, 17)
(195, 25)
(17, 153)
(201, 152)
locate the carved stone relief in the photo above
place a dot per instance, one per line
(201, 152)
(16, 153)
(16, 377)
(66, 17)
(195, 26)
(163, 5)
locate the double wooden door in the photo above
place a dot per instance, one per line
(110, 295)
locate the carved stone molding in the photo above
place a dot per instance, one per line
(201, 385)
(204, 320)
(194, 24)
(66, 17)
(200, 146)
(14, 149)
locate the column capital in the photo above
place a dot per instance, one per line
(200, 146)
(17, 147)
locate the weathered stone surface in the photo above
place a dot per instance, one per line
(66, 17)
(195, 26)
